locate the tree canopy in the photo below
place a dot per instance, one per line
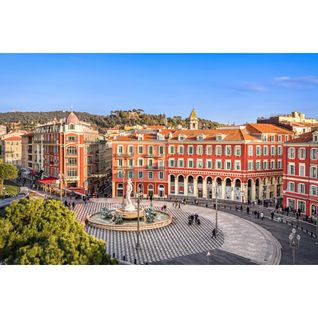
(45, 232)
(7, 171)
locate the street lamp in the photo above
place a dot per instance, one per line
(294, 242)
(60, 182)
(139, 197)
(216, 207)
(316, 242)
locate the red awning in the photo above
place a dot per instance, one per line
(48, 180)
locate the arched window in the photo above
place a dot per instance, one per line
(71, 151)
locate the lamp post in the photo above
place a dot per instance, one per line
(60, 184)
(216, 208)
(139, 197)
(294, 242)
(316, 242)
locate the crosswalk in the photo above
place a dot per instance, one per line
(175, 240)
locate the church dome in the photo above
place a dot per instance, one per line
(72, 119)
(193, 114)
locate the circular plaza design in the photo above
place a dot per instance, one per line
(179, 239)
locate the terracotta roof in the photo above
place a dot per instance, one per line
(306, 137)
(72, 119)
(266, 128)
(13, 138)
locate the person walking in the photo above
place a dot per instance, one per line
(272, 215)
(248, 210)
(262, 216)
(73, 205)
(196, 217)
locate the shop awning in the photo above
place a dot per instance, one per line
(48, 180)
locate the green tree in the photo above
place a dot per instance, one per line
(7, 171)
(46, 232)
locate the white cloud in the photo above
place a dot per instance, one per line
(297, 82)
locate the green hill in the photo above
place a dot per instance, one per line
(120, 118)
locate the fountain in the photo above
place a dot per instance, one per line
(126, 217)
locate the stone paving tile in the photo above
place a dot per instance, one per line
(176, 240)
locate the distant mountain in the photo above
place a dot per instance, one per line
(120, 118)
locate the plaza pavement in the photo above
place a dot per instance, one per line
(249, 242)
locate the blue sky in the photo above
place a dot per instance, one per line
(222, 87)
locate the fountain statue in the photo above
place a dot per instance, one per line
(128, 204)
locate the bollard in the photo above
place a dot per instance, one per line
(135, 261)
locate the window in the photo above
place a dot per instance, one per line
(130, 174)
(150, 150)
(150, 175)
(218, 150)
(302, 153)
(237, 150)
(273, 150)
(291, 186)
(140, 174)
(171, 163)
(279, 150)
(265, 137)
(180, 150)
(301, 170)
(161, 150)
(72, 161)
(265, 165)
(130, 162)
(180, 163)
(313, 190)
(140, 149)
(237, 165)
(130, 150)
(140, 162)
(161, 164)
(190, 163)
(71, 126)
(209, 150)
(258, 165)
(250, 165)
(273, 165)
(258, 151)
(72, 172)
(199, 163)
(265, 150)
(279, 138)
(199, 150)
(228, 150)
(314, 154)
(218, 164)
(171, 150)
(291, 169)
(279, 164)
(301, 188)
(71, 151)
(291, 153)
(160, 175)
(71, 138)
(228, 165)
(209, 164)
(190, 150)
(250, 151)
(272, 138)
(313, 171)
(120, 150)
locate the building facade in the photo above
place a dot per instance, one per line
(67, 151)
(242, 163)
(11, 147)
(300, 179)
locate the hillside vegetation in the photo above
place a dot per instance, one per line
(118, 118)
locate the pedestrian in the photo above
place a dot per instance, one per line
(272, 215)
(262, 216)
(258, 214)
(192, 217)
(196, 216)
(248, 210)
(179, 205)
(65, 203)
(198, 221)
(214, 233)
(73, 205)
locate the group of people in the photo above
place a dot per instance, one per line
(194, 218)
(176, 204)
(259, 214)
(69, 204)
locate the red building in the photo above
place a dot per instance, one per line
(67, 151)
(243, 162)
(300, 174)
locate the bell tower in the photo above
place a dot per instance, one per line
(193, 120)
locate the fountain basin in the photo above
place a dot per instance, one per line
(129, 224)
